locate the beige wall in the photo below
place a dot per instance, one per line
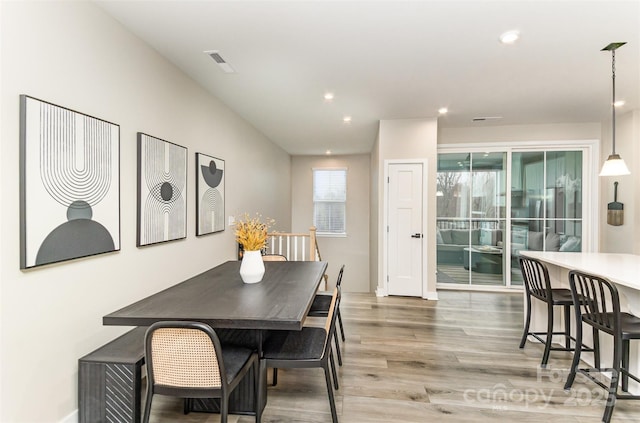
(352, 250)
(74, 55)
(375, 214)
(624, 238)
(520, 133)
(415, 139)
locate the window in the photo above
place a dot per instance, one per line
(329, 200)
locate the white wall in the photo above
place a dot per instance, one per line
(624, 238)
(74, 55)
(518, 133)
(409, 139)
(352, 250)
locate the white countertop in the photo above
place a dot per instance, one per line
(622, 269)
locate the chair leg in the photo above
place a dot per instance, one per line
(576, 354)
(333, 369)
(625, 365)
(224, 405)
(260, 379)
(615, 378)
(274, 381)
(547, 344)
(596, 348)
(527, 323)
(567, 326)
(337, 342)
(147, 406)
(340, 324)
(332, 402)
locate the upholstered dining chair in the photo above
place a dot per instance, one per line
(307, 348)
(597, 304)
(185, 360)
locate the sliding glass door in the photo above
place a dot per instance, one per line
(486, 214)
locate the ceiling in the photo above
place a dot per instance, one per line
(396, 60)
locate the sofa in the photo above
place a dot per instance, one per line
(450, 243)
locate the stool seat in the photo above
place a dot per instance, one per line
(629, 324)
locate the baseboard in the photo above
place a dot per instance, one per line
(431, 295)
(71, 418)
(380, 292)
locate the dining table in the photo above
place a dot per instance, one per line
(239, 312)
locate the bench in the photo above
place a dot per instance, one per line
(109, 380)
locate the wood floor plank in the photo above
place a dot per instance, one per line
(414, 360)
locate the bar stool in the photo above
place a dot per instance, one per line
(597, 304)
(537, 285)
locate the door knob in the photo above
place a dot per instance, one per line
(416, 236)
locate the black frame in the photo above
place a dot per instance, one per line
(63, 125)
(203, 188)
(173, 192)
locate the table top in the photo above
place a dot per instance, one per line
(622, 269)
(219, 298)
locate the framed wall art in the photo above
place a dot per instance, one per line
(162, 183)
(69, 184)
(209, 194)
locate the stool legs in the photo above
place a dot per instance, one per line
(527, 323)
(576, 354)
(567, 326)
(547, 343)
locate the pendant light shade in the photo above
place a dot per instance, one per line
(614, 166)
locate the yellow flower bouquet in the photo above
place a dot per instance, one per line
(251, 232)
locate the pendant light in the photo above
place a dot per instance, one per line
(614, 165)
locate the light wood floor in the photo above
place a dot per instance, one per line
(411, 360)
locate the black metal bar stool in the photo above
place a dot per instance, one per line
(598, 305)
(537, 285)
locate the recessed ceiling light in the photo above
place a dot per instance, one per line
(509, 37)
(346, 119)
(328, 96)
(443, 110)
(328, 152)
(619, 103)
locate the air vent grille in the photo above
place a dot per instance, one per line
(484, 118)
(215, 55)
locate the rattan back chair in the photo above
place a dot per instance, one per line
(186, 360)
(307, 348)
(274, 257)
(598, 305)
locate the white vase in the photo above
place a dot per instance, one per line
(252, 267)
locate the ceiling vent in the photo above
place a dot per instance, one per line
(485, 118)
(215, 55)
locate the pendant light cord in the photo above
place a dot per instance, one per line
(613, 102)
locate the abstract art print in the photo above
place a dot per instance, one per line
(69, 184)
(209, 194)
(162, 190)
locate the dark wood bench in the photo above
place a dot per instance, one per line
(109, 380)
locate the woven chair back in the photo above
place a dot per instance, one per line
(184, 357)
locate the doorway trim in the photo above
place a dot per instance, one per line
(383, 288)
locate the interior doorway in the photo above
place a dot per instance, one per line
(405, 231)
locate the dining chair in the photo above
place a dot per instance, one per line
(185, 360)
(537, 285)
(307, 348)
(273, 257)
(598, 305)
(320, 308)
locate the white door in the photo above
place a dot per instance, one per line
(405, 232)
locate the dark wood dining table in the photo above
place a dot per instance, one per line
(236, 310)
